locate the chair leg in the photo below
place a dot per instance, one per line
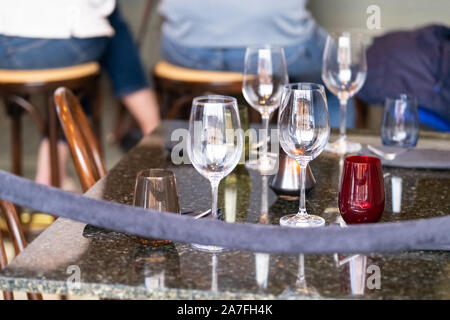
(96, 116)
(15, 114)
(118, 131)
(16, 143)
(53, 141)
(362, 112)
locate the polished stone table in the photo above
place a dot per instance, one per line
(115, 265)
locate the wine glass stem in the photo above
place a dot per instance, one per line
(302, 204)
(343, 119)
(214, 193)
(265, 123)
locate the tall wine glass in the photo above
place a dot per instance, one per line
(304, 130)
(215, 143)
(265, 74)
(344, 71)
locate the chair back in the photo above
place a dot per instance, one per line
(16, 234)
(83, 144)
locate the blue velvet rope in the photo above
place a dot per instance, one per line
(430, 233)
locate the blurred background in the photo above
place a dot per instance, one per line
(331, 14)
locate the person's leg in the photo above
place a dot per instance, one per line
(129, 80)
(33, 53)
(234, 59)
(192, 57)
(43, 169)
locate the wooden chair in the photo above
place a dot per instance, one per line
(16, 87)
(18, 239)
(177, 86)
(83, 144)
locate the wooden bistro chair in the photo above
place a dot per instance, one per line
(177, 86)
(18, 239)
(83, 144)
(17, 86)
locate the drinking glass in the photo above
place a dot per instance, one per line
(304, 130)
(156, 190)
(344, 72)
(361, 195)
(400, 126)
(265, 74)
(215, 143)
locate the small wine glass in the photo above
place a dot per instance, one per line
(304, 129)
(400, 126)
(344, 72)
(265, 74)
(215, 143)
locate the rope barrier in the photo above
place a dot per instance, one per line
(430, 234)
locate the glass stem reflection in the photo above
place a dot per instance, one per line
(265, 138)
(214, 193)
(302, 205)
(343, 119)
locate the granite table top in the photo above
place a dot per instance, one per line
(72, 258)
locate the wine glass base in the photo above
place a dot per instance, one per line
(207, 248)
(342, 146)
(297, 221)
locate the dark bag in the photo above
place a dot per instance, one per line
(412, 62)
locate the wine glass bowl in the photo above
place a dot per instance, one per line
(304, 130)
(361, 194)
(265, 74)
(304, 125)
(215, 143)
(344, 72)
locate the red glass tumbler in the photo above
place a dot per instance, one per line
(361, 196)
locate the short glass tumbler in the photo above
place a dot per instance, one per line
(361, 195)
(156, 190)
(400, 126)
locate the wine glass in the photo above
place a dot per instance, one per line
(215, 143)
(304, 130)
(361, 195)
(400, 126)
(344, 71)
(265, 74)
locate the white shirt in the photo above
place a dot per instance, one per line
(56, 19)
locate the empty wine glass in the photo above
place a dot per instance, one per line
(304, 130)
(400, 126)
(344, 71)
(215, 143)
(265, 74)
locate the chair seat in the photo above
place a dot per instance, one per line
(163, 69)
(49, 75)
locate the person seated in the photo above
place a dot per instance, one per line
(213, 35)
(414, 62)
(52, 33)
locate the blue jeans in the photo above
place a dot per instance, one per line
(118, 55)
(303, 60)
